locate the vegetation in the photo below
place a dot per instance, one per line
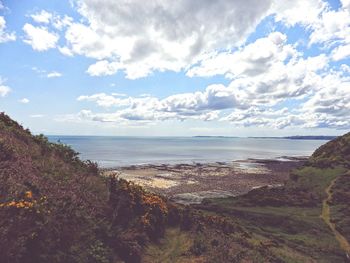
(334, 153)
(57, 208)
(289, 217)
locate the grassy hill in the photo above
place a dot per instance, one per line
(57, 208)
(307, 220)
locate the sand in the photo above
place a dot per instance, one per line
(191, 183)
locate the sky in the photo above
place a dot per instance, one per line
(176, 68)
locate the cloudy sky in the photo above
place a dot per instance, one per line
(177, 68)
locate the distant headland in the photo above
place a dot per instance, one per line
(296, 137)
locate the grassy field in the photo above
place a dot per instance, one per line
(294, 230)
(291, 232)
(173, 248)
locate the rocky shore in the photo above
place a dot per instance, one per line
(191, 183)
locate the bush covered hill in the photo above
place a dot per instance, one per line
(57, 208)
(308, 219)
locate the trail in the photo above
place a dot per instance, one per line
(326, 215)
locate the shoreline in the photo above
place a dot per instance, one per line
(190, 183)
(202, 162)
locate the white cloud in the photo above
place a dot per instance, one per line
(264, 117)
(105, 100)
(45, 73)
(204, 106)
(61, 23)
(124, 95)
(215, 97)
(39, 37)
(331, 105)
(37, 116)
(103, 68)
(172, 36)
(332, 26)
(251, 60)
(326, 107)
(345, 4)
(57, 21)
(38, 70)
(42, 17)
(24, 100)
(253, 98)
(54, 74)
(301, 12)
(341, 52)
(266, 71)
(208, 38)
(4, 90)
(66, 51)
(345, 68)
(175, 36)
(133, 116)
(164, 35)
(5, 36)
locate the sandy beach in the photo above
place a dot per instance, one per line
(191, 183)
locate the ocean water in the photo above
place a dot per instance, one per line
(110, 151)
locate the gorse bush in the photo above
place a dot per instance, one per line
(50, 201)
(56, 208)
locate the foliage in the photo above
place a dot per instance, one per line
(283, 224)
(333, 153)
(56, 208)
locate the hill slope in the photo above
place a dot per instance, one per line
(306, 216)
(56, 208)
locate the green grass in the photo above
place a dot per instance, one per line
(339, 205)
(316, 179)
(299, 232)
(171, 249)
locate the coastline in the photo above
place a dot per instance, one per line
(190, 183)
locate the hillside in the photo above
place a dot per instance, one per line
(57, 208)
(333, 153)
(308, 219)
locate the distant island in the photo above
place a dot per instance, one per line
(301, 137)
(296, 137)
(214, 136)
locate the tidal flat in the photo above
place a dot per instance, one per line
(191, 183)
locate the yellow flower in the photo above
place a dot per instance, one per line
(29, 194)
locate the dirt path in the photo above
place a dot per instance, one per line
(326, 215)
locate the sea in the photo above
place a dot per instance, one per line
(117, 151)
